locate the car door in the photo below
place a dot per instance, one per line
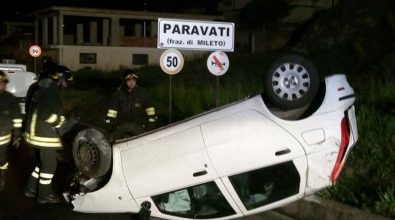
(172, 171)
(260, 163)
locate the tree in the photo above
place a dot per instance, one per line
(259, 15)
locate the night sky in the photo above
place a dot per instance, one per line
(21, 7)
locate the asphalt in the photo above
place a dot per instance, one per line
(14, 205)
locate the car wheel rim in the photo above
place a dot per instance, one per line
(87, 155)
(290, 81)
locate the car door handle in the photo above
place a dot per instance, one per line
(282, 152)
(200, 173)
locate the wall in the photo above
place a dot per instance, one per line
(109, 58)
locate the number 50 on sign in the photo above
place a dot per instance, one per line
(35, 51)
(171, 61)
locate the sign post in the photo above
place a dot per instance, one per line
(35, 51)
(218, 64)
(171, 62)
(195, 35)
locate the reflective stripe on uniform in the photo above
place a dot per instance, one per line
(112, 113)
(52, 118)
(151, 120)
(62, 119)
(5, 139)
(45, 181)
(33, 124)
(46, 175)
(46, 178)
(42, 141)
(4, 167)
(36, 172)
(150, 111)
(17, 122)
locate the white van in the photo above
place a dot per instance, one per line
(19, 81)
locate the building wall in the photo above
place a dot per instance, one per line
(109, 58)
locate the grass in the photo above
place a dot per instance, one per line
(368, 180)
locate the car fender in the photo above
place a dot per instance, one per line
(114, 197)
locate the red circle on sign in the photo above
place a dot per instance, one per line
(35, 51)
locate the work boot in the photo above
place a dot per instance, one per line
(51, 198)
(46, 195)
(30, 192)
(2, 180)
(31, 188)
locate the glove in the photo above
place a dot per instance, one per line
(17, 138)
(111, 138)
(109, 127)
(68, 125)
(151, 126)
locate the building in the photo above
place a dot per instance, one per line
(102, 38)
(15, 40)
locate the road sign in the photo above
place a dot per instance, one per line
(171, 61)
(195, 35)
(218, 63)
(35, 51)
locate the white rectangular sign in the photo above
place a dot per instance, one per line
(195, 35)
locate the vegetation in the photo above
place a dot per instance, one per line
(356, 38)
(339, 40)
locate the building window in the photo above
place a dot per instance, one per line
(140, 59)
(88, 58)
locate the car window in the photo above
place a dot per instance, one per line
(263, 186)
(199, 202)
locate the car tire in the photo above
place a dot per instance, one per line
(291, 82)
(92, 153)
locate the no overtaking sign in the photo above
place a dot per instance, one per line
(195, 35)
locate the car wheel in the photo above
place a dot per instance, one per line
(291, 82)
(92, 153)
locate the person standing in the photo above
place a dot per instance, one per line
(131, 111)
(44, 117)
(10, 125)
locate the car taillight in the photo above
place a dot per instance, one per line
(345, 139)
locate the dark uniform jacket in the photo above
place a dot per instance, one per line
(10, 116)
(135, 106)
(45, 113)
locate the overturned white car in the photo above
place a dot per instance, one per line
(19, 81)
(233, 161)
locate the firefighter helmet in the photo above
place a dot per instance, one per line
(55, 71)
(49, 69)
(64, 73)
(3, 77)
(130, 74)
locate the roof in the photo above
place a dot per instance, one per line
(97, 12)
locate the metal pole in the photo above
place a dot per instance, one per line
(170, 104)
(217, 92)
(35, 65)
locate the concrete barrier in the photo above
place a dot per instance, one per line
(312, 208)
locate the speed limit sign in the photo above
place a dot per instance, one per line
(35, 51)
(171, 61)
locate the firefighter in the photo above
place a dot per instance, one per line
(44, 117)
(10, 125)
(131, 111)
